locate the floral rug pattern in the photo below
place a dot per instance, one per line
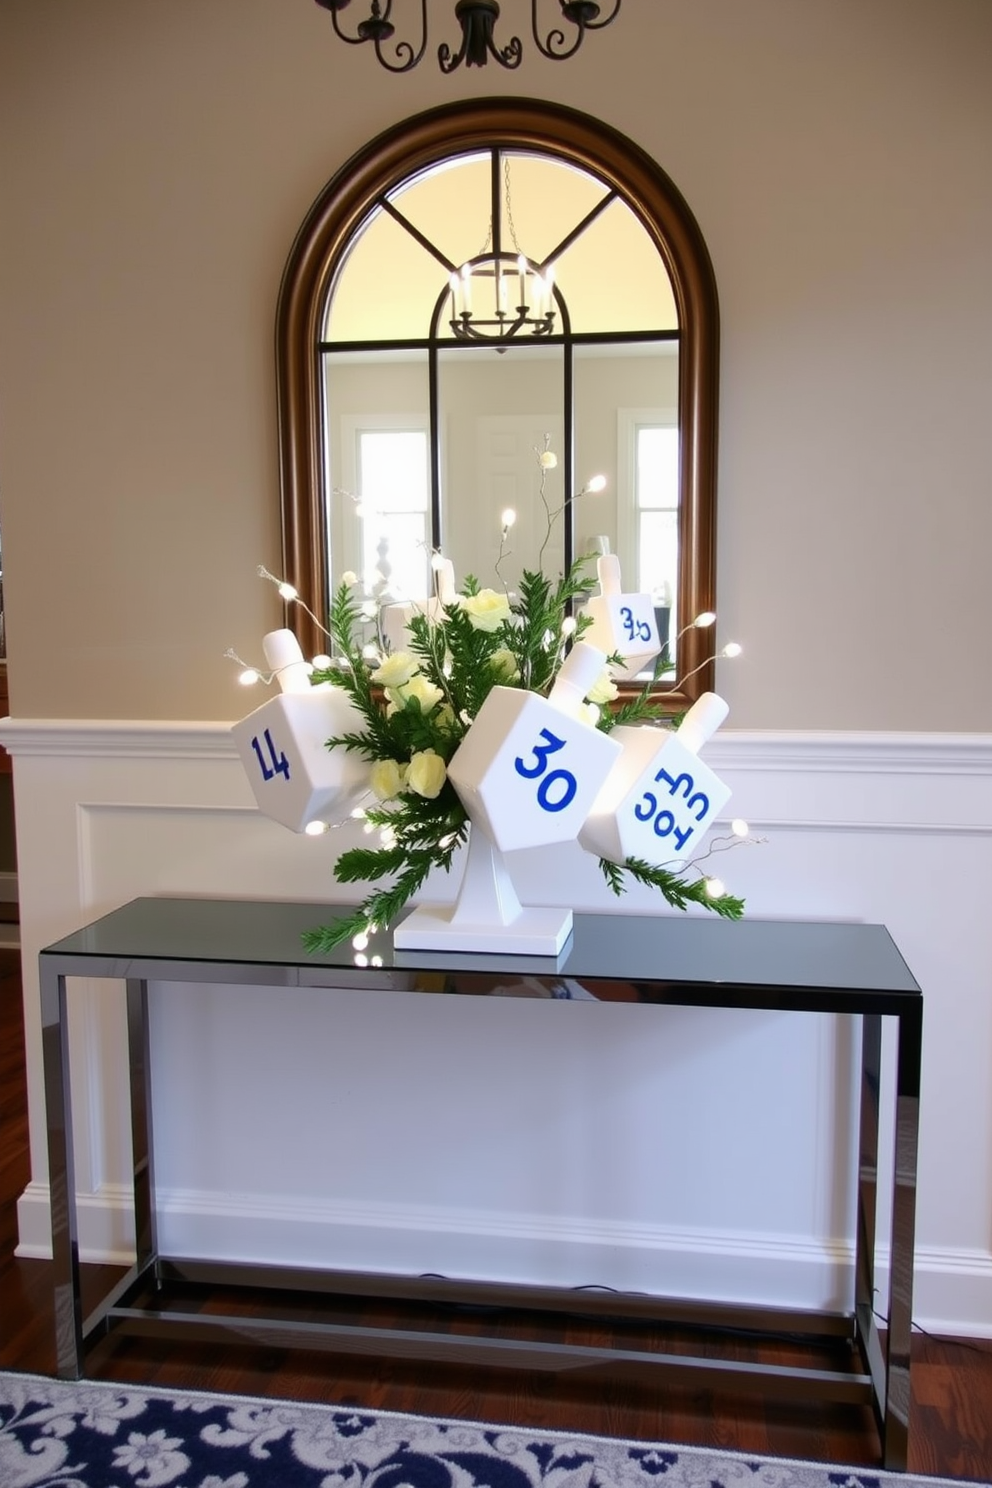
(55, 1434)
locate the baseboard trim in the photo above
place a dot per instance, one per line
(105, 1220)
(952, 1289)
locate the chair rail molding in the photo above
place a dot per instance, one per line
(748, 1198)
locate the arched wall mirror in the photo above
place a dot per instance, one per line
(481, 283)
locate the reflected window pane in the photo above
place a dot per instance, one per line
(659, 545)
(656, 496)
(393, 497)
(658, 468)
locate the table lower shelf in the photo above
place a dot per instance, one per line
(188, 1300)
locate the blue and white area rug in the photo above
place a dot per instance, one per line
(96, 1435)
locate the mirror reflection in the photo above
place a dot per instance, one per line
(496, 306)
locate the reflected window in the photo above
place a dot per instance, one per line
(656, 499)
(392, 509)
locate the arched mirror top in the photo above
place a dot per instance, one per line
(553, 214)
(629, 263)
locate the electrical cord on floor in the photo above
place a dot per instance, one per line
(963, 1343)
(600, 1286)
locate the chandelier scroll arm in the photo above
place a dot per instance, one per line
(583, 14)
(379, 29)
(603, 20)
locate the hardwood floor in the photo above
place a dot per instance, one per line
(951, 1430)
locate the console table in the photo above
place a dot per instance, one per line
(656, 960)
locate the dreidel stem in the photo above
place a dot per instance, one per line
(580, 671)
(444, 581)
(702, 721)
(608, 572)
(285, 659)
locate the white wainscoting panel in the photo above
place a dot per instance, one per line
(702, 1152)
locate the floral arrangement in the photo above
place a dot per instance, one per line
(416, 705)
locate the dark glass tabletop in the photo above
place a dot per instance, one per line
(724, 961)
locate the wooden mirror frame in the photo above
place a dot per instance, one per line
(576, 139)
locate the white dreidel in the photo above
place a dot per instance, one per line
(660, 800)
(621, 623)
(394, 620)
(530, 767)
(295, 778)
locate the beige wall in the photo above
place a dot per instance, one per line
(156, 160)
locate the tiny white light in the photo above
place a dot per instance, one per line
(569, 625)
(388, 837)
(360, 941)
(359, 813)
(361, 960)
(437, 562)
(286, 591)
(321, 663)
(731, 649)
(248, 677)
(360, 508)
(368, 829)
(715, 888)
(369, 609)
(509, 517)
(707, 618)
(598, 483)
(376, 960)
(371, 653)
(739, 827)
(315, 828)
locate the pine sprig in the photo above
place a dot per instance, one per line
(412, 864)
(540, 612)
(677, 891)
(643, 707)
(379, 908)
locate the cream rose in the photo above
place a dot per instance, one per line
(604, 689)
(426, 774)
(504, 664)
(487, 610)
(426, 693)
(396, 669)
(386, 779)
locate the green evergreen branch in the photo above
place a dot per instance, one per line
(680, 892)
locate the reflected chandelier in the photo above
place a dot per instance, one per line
(477, 19)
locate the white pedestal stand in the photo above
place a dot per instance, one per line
(487, 915)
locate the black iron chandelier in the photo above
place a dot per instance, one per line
(477, 19)
(522, 299)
